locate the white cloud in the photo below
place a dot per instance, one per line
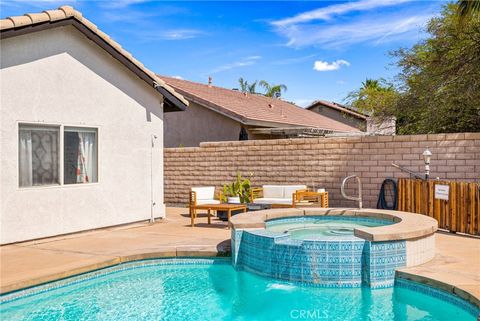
(326, 13)
(333, 26)
(247, 61)
(172, 34)
(177, 77)
(178, 34)
(320, 65)
(374, 29)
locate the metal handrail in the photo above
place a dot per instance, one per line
(359, 198)
(406, 170)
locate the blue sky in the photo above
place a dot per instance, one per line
(320, 50)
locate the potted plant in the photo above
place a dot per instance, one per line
(238, 191)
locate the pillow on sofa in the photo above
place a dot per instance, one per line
(272, 191)
(290, 189)
(204, 193)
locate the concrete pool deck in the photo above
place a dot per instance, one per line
(455, 268)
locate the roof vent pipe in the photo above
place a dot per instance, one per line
(210, 79)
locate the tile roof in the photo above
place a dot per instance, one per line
(67, 13)
(337, 106)
(253, 109)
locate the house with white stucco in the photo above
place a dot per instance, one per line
(81, 129)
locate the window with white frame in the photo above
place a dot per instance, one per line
(40, 155)
(79, 155)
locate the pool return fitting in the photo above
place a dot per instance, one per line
(359, 198)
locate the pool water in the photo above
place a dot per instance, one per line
(322, 227)
(212, 290)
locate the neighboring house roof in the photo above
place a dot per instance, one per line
(66, 15)
(253, 109)
(337, 106)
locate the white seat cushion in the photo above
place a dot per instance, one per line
(271, 200)
(290, 189)
(272, 191)
(212, 201)
(204, 193)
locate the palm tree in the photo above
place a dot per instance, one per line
(272, 90)
(252, 87)
(375, 85)
(243, 84)
(245, 87)
(370, 84)
(468, 8)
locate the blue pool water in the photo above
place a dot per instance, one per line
(308, 227)
(210, 289)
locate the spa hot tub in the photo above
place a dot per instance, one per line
(331, 247)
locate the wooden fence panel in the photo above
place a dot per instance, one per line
(461, 213)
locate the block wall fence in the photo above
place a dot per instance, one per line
(320, 163)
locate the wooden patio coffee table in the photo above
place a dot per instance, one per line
(216, 207)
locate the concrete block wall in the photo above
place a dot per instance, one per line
(320, 163)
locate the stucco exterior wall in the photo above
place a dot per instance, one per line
(198, 124)
(339, 116)
(58, 76)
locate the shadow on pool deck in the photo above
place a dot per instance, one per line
(456, 266)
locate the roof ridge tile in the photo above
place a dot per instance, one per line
(55, 15)
(19, 21)
(68, 10)
(38, 17)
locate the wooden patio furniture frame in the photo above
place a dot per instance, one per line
(257, 192)
(308, 198)
(193, 207)
(229, 208)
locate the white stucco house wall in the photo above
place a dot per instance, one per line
(81, 129)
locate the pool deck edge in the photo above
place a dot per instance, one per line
(435, 283)
(178, 252)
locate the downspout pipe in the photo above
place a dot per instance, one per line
(152, 201)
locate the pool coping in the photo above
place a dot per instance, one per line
(179, 252)
(406, 225)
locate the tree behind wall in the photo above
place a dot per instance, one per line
(438, 88)
(441, 78)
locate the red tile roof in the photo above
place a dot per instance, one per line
(337, 106)
(253, 109)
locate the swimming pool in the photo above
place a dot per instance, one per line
(211, 289)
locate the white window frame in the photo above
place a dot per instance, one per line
(61, 160)
(89, 129)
